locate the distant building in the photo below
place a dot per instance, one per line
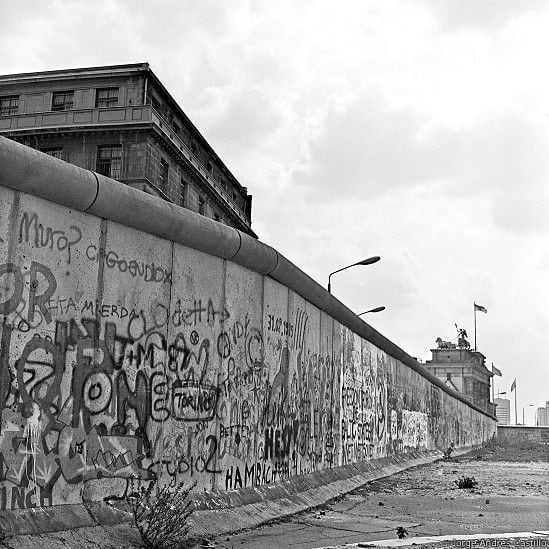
(503, 410)
(542, 416)
(120, 121)
(464, 371)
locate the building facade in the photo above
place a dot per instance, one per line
(503, 411)
(542, 416)
(120, 121)
(464, 371)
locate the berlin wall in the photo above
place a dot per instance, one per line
(185, 350)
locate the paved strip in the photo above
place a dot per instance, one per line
(418, 541)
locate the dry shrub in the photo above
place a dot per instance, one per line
(449, 451)
(466, 482)
(161, 513)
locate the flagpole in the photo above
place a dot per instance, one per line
(515, 401)
(493, 383)
(475, 315)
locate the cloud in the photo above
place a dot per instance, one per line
(367, 149)
(522, 211)
(411, 130)
(57, 35)
(481, 15)
(248, 117)
(363, 149)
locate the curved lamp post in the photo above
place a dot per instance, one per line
(374, 310)
(369, 261)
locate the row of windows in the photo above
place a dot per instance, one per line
(163, 183)
(109, 159)
(109, 164)
(62, 101)
(105, 98)
(170, 119)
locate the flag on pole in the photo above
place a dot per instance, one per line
(480, 308)
(514, 385)
(496, 371)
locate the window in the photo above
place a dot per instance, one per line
(62, 101)
(164, 170)
(182, 192)
(109, 161)
(106, 97)
(9, 105)
(56, 152)
(201, 205)
(155, 104)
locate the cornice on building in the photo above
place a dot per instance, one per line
(78, 73)
(160, 126)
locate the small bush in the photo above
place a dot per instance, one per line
(449, 451)
(466, 482)
(161, 513)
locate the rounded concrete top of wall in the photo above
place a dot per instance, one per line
(29, 171)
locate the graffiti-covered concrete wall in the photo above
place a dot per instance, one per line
(127, 354)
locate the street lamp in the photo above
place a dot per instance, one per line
(501, 393)
(369, 261)
(374, 310)
(525, 406)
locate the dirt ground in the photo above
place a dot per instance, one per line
(511, 495)
(502, 450)
(438, 480)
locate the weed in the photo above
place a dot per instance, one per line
(402, 532)
(466, 482)
(449, 451)
(161, 513)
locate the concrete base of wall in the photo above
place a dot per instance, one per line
(219, 512)
(522, 433)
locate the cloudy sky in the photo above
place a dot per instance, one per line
(414, 130)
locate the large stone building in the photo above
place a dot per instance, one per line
(542, 416)
(503, 410)
(463, 370)
(121, 121)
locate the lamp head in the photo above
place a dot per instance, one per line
(370, 260)
(374, 310)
